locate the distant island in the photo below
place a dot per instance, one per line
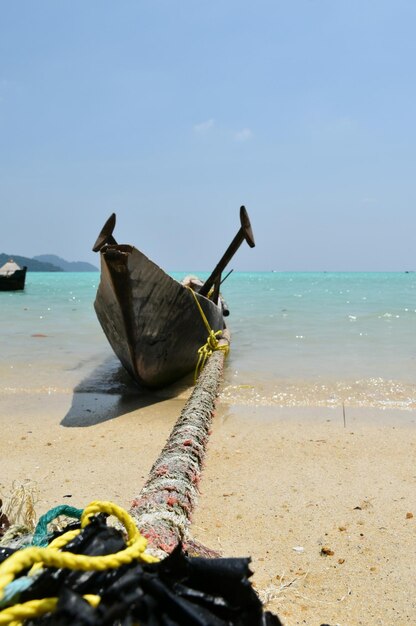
(48, 263)
(66, 266)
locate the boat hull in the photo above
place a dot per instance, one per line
(14, 281)
(151, 321)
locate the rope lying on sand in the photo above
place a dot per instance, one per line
(178, 590)
(165, 504)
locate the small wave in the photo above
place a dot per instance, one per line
(370, 392)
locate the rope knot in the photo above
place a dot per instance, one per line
(212, 340)
(211, 344)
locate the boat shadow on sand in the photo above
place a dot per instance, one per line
(108, 392)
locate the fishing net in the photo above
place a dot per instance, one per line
(177, 591)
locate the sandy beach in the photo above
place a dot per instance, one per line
(261, 153)
(327, 512)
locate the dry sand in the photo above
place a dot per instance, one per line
(325, 511)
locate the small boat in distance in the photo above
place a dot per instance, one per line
(154, 323)
(12, 276)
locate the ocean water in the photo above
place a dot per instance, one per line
(298, 339)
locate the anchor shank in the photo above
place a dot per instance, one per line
(223, 262)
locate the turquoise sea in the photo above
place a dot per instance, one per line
(298, 339)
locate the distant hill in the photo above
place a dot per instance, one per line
(66, 266)
(48, 263)
(32, 264)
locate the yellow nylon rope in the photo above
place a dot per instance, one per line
(52, 557)
(17, 614)
(211, 344)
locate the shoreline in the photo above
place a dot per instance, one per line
(279, 485)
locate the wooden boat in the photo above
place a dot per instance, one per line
(153, 322)
(12, 276)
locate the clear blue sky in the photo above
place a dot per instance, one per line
(174, 113)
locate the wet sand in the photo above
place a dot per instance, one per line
(324, 510)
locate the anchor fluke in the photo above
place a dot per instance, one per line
(106, 234)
